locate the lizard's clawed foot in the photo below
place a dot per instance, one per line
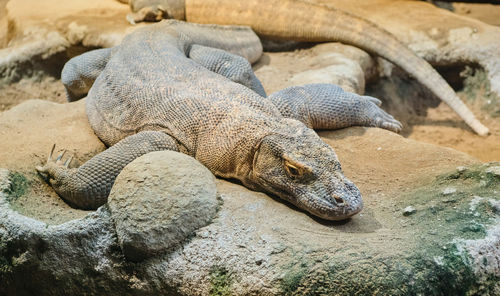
(53, 166)
(378, 117)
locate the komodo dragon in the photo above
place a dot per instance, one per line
(188, 88)
(304, 21)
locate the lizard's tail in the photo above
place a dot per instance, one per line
(302, 21)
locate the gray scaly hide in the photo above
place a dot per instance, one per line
(190, 88)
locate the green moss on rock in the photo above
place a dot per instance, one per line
(440, 271)
(477, 86)
(220, 280)
(294, 276)
(426, 258)
(5, 265)
(463, 212)
(18, 186)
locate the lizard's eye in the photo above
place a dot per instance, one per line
(296, 170)
(292, 170)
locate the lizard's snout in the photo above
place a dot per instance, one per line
(339, 202)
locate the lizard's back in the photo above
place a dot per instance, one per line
(150, 84)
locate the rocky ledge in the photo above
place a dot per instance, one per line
(430, 226)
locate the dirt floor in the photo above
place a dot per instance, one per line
(48, 88)
(426, 119)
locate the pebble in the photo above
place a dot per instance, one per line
(449, 190)
(409, 211)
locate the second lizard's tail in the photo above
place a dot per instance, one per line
(302, 21)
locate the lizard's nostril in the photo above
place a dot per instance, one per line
(338, 199)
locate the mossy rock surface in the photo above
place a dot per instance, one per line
(256, 244)
(429, 253)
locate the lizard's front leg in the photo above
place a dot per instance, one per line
(88, 186)
(328, 106)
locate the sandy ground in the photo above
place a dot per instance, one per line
(48, 88)
(484, 12)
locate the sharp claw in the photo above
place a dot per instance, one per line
(68, 162)
(51, 152)
(58, 159)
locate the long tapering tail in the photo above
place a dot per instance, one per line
(303, 21)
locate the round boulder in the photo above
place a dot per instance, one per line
(159, 200)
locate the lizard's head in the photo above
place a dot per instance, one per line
(305, 171)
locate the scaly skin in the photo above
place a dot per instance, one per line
(303, 21)
(173, 86)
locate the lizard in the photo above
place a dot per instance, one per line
(191, 88)
(301, 20)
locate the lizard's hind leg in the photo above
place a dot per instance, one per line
(328, 106)
(80, 72)
(88, 186)
(231, 66)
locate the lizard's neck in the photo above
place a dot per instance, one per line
(228, 149)
(232, 155)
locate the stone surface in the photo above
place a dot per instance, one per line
(409, 210)
(257, 245)
(344, 65)
(494, 170)
(339, 64)
(158, 201)
(449, 190)
(43, 35)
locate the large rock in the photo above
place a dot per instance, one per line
(339, 64)
(258, 244)
(159, 200)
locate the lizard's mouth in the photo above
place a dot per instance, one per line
(339, 205)
(331, 207)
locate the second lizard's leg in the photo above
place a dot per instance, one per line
(88, 186)
(327, 106)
